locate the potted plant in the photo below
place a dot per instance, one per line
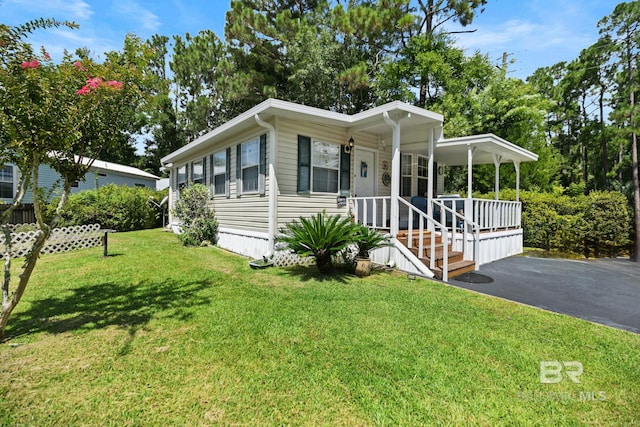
(367, 239)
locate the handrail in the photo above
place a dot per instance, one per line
(444, 237)
(468, 224)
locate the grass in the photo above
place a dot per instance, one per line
(159, 334)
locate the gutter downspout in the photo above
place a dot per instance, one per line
(273, 194)
(395, 173)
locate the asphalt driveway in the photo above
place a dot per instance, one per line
(605, 291)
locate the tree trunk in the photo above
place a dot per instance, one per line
(9, 302)
(324, 263)
(635, 256)
(29, 264)
(603, 141)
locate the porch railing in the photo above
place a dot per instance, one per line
(489, 215)
(452, 227)
(415, 214)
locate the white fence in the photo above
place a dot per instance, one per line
(61, 240)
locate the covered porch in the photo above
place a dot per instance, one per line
(427, 224)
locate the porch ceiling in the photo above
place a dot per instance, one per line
(453, 151)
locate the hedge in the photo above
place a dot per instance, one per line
(116, 207)
(598, 224)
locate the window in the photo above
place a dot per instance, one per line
(75, 184)
(325, 160)
(139, 185)
(251, 164)
(323, 167)
(197, 172)
(219, 172)
(423, 175)
(405, 182)
(250, 161)
(182, 177)
(6, 182)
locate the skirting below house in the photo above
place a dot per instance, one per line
(495, 245)
(500, 244)
(251, 244)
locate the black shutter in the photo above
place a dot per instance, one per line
(304, 164)
(238, 170)
(227, 174)
(211, 177)
(204, 170)
(263, 164)
(345, 172)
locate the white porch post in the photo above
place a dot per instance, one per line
(470, 151)
(516, 164)
(395, 173)
(273, 192)
(430, 171)
(496, 161)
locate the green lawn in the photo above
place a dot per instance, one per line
(162, 335)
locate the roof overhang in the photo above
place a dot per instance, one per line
(413, 119)
(454, 151)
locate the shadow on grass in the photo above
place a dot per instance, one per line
(310, 272)
(98, 306)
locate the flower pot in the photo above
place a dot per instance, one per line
(363, 267)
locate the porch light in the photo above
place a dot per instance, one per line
(347, 148)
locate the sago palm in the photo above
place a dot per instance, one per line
(320, 236)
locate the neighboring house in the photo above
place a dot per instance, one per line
(101, 173)
(280, 160)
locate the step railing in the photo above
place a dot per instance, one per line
(453, 226)
(432, 227)
(458, 223)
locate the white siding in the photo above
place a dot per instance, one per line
(292, 205)
(247, 212)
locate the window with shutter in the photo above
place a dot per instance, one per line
(323, 167)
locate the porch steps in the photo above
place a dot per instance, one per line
(457, 265)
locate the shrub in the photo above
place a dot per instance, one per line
(608, 219)
(367, 239)
(198, 221)
(598, 224)
(120, 208)
(320, 236)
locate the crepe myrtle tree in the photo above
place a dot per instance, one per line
(57, 114)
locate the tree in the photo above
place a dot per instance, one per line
(622, 30)
(197, 77)
(61, 115)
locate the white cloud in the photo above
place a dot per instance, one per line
(60, 9)
(131, 10)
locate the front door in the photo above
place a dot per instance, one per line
(364, 183)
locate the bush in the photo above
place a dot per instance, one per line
(608, 219)
(320, 236)
(598, 224)
(198, 221)
(120, 208)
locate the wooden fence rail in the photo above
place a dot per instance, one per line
(23, 214)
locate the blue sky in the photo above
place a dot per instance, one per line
(534, 33)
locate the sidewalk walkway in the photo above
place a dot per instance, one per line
(605, 291)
